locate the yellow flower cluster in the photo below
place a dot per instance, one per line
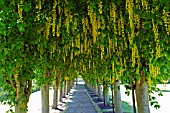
(85, 27)
(134, 19)
(54, 17)
(137, 21)
(129, 8)
(125, 63)
(102, 51)
(20, 10)
(58, 27)
(113, 22)
(149, 82)
(68, 18)
(78, 43)
(48, 25)
(123, 30)
(113, 66)
(64, 59)
(155, 30)
(93, 21)
(71, 55)
(59, 23)
(154, 70)
(100, 7)
(53, 46)
(38, 6)
(89, 64)
(111, 79)
(84, 67)
(110, 47)
(145, 4)
(166, 21)
(75, 65)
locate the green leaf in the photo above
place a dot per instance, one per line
(26, 7)
(152, 103)
(153, 98)
(160, 94)
(1, 3)
(127, 93)
(159, 21)
(167, 7)
(15, 15)
(162, 69)
(157, 106)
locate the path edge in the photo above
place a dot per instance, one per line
(94, 104)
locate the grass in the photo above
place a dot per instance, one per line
(126, 107)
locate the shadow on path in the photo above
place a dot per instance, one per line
(127, 108)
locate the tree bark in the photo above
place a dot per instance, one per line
(23, 92)
(112, 89)
(55, 96)
(72, 83)
(99, 90)
(133, 98)
(65, 88)
(95, 89)
(105, 93)
(76, 79)
(117, 97)
(142, 95)
(61, 92)
(45, 98)
(68, 87)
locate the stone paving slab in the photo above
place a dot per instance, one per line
(81, 102)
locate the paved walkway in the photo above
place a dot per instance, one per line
(81, 102)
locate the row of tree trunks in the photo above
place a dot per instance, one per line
(23, 88)
(140, 88)
(63, 90)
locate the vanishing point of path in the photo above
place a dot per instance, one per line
(81, 102)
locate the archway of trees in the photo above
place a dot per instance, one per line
(51, 42)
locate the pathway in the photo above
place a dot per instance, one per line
(81, 102)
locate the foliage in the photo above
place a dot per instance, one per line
(97, 38)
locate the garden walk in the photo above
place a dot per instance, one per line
(81, 102)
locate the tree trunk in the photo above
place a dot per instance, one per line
(99, 90)
(76, 79)
(95, 89)
(105, 93)
(142, 95)
(55, 96)
(112, 89)
(45, 98)
(68, 86)
(72, 83)
(61, 92)
(117, 97)
(133, 98)
(23, 92)
(65, 88)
